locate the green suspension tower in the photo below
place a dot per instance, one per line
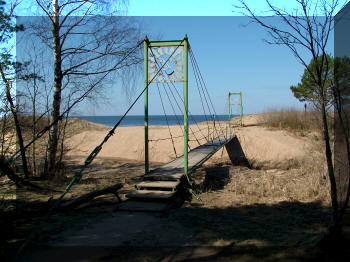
(230, 107)
(157, 57)
(145, 65)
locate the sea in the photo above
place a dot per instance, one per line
(154, 120)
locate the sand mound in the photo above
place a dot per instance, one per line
(248, 120)
(268, 149)
(263, 148)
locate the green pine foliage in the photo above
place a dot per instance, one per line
(7, 28)
(308, 89)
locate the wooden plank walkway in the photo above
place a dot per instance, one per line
(160, 185)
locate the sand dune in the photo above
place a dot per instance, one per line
(263, 148)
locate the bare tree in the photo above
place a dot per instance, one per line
(87, 49)
(7, 68)
(30, 77)
(341, 94)
(7, 136)
(307, 27)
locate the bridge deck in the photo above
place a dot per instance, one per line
(154, 188)
(174, 170)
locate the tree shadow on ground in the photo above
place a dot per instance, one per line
(285, 231)
(215, 178)
(261, 232)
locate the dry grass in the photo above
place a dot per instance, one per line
(307, 182)
(10, 144)
(292, 119)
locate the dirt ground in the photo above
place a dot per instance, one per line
(253, 210)
(225, 227)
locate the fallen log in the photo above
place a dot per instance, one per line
(5, 169)
(89, 196)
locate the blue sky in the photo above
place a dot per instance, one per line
(231, 57)
(198, 7)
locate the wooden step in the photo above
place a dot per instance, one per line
(164, 177)
(141, 206)
(150, 194)
(158, 184)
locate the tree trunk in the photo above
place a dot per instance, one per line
(55, 113)
(334, 199)
(341, 122)
(34, 130)
(7, 170)
(3, 132)
(62, 141)
(89, 196)
(17, 125)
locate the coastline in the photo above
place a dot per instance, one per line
(154, 120)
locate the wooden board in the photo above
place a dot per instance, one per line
(174, 169)
(150, 194)
(168, 177)
(164, 175)
(158, 184)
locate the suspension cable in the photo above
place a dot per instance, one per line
(172, 106)
(200, 74)
(166, 118)
(179, 107)
(200, 94)
(205, 91)
(190, 115)
(174, 111)
(155, 59)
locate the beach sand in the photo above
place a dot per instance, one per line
(262, 148)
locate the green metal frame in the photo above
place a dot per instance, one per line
(167, 43)
(186, 106)
(145, 64)
(148, 44)
(240, 107)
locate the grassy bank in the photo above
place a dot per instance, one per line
(292, 119)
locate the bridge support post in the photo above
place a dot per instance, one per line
(145, 66)
(228, 126)
(186, 106)
(241, 107)
(152, 74)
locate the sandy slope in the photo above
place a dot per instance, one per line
(262, 147)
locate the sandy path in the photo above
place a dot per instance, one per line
(141, 232)
(113, 230)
